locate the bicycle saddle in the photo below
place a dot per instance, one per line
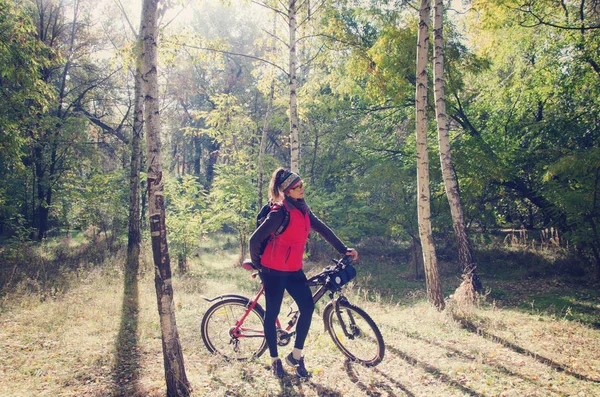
(247, 264)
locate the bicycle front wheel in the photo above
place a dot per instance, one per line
(354, 333)
(223, 331)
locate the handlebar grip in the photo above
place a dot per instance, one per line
(347, 260)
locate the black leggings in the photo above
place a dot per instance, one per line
(276, 283)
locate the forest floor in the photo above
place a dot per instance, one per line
(97, 336)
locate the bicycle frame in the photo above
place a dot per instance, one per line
(240, 332)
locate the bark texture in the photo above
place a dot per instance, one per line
(465, 254)
(175, 376)
(432, 279)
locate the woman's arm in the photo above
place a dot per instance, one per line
(318, 226)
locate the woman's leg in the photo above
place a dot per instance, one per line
(302, 295)
(274, 290)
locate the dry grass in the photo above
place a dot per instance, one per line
(80, 344)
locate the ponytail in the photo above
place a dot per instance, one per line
(275, 194)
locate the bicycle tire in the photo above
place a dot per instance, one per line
(219, 320)
(365, 345)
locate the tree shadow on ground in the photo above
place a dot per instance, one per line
(433, 371)
(126, 371)
(292, 386)
(373, 389)
(394, 382)
(465, 356)
(469, 326)
(323, 391)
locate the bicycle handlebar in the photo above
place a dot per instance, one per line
(321, 277)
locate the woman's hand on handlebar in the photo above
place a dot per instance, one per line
(353, 253)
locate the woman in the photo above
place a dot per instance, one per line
(281, 263)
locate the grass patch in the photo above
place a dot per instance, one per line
(100, 337)
(567, 305)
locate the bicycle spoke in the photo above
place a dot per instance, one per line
(221, 336)
(355, 333)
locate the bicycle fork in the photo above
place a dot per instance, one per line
(355, 331)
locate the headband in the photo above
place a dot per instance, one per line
(288, 181)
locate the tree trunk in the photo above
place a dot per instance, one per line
(212, 146)
(314, 158)
(294, 141)
(416, 256)
(465, 255)
(41, 210)
(594, 246)
(197, 154)
(182, 263)
(432, 279)
(134, 235)
(175, 376)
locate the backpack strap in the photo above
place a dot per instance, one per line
(286, 218)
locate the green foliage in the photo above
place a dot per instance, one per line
(231, 126)
(573, 183)
(522, 99)
(23, 95)
(393, 67)
(527, 116)
(186, 207)
(233, 203)
(98, 201)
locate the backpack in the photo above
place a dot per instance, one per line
(262, 215)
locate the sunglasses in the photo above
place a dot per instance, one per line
(300, 186)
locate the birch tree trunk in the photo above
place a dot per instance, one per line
(175, 376)
(432, 279)
(465, 255)
(294, 141)
(134, 235)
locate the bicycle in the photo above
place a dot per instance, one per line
(233, 325)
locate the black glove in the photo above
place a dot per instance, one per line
(347, 260)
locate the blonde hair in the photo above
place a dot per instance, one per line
(275, 193)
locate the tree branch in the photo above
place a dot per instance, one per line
(275, 10)
(313, 58)
(120, 5)
(239, 55)
(105, 127)
(541, 21)
(311, 14)
(277, 38)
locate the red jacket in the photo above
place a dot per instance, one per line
(285, 252)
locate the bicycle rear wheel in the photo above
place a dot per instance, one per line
(354, 333)
(218, 325)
